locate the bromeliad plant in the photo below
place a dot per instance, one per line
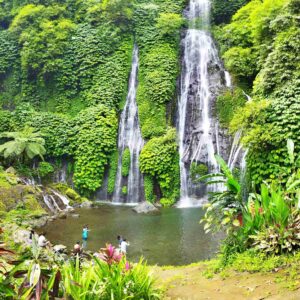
(225, 206)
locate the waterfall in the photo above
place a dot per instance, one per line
(130, 137)
(228, 79)
(51, 203)
(235, 151)
(201, 79)
(63, 198)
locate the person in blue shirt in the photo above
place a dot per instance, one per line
(85, 234)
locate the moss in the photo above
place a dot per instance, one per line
(2, 206)
(72, 194)
(31, 203)
(4, 183)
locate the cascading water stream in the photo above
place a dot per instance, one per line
(201, 69)
(130, 137)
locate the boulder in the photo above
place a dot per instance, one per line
(60, 248)
(62, 215)
(87, 204)
(11, 170)
(72, 194)
(145, 208)
(75, 215)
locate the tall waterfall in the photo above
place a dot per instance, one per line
(202, 76)
(130, 137)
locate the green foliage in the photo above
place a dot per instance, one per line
(124, 190)
(157, 84)
(43, 35)
(266, 126)
(5, 117)
(169, 24)
(126, 162)
(241, 62)
(197, 170)
(148, 186)
(27, 143)
(113, 167)
(159, 159)
(222, 10)
(228, 103)
(165, 202)
(45, 275)
(93, 141)
(8, 51)
(159, 56)
(44, 169)
(119, 12)
(224, 207)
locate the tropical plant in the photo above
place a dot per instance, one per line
(36, 276)
(6, 288)
(27, 143)
(125, 281)
(110, 255)
(80, 282)
(226, 205)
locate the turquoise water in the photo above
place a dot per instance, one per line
(173, 237)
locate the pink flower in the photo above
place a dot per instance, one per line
(110, 254)
(127, 266)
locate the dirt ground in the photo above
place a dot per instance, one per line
(188, 283)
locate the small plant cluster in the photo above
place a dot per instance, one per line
(40, 274)
(159, 159)
(269, 221)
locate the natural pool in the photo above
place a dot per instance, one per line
(172, 237)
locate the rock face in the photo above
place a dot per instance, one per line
(145, 208)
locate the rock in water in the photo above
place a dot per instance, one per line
(87, 204)
(60, 248)
(145, 208)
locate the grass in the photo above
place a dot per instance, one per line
(286, 267)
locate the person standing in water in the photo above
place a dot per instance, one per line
(85, 234)
(124, 245)
(120, 239)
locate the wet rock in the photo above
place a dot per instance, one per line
(62, 215)
(87, 204)
(145, 208)
(75, 215)
(60, 248)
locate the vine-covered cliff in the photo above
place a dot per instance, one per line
(64, 70)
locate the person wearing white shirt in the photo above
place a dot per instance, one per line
(42, 241)
(124, 245)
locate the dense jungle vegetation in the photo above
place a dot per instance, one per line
(64, 68)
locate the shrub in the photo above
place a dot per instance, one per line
(44, 169)
(159, 159)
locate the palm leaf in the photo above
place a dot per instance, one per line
(224, 166)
